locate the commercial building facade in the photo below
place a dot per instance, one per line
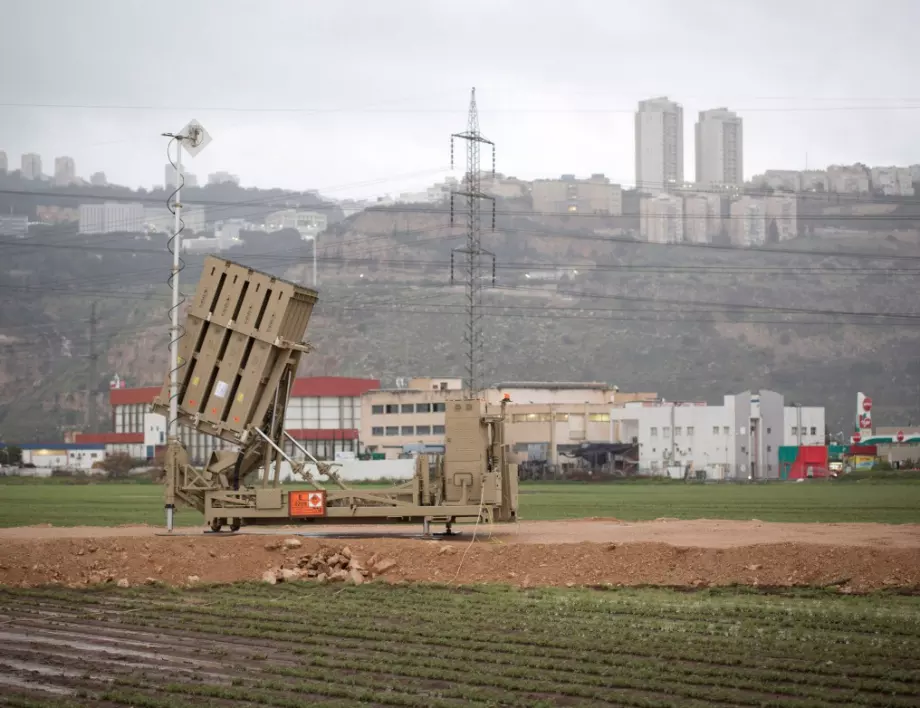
(659, 145)
(719, 148)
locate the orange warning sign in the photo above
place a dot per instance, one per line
(307, 503)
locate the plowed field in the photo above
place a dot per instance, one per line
(430, 647)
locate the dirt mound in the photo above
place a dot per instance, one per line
(219, 558)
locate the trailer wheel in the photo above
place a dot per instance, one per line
(235, 525)
(216, 525)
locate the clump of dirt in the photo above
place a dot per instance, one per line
(221, 558)
(327, 565)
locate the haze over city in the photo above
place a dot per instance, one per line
(336, 96)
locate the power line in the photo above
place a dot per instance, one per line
(914, 105)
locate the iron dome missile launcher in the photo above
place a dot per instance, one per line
(242, 342)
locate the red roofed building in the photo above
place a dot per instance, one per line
(324, 414)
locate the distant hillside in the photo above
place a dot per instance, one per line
(640, 316)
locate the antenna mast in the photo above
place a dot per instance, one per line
(194, 138)
(473, 252)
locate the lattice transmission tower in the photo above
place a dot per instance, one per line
(473, 253)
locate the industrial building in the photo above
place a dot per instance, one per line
(51, 456)
(324, 415)
(546, 419)
(737, 440)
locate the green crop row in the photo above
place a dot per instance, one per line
(438, 646)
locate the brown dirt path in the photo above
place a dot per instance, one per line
(854, 557)
(698, 533)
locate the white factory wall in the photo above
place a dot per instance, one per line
(812, 422)
(702, 435)
(359, 470)
(50, 459)
(715, 438)
(154, 429)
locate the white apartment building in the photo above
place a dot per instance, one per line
(169, 177)
(739, 439)
(65, 171)
(780, 180)
(308, 223)
(661, 219)
(568, 195)
(782, 214)
(111, 217)
(14, 225)
(814, 181)
(748, 221)
(892, 181)
(505, 187)
(848, 179)
(719, 148)
(159, 219)
(31, 166)
(659, 144)
(4, 163)
(702, 217)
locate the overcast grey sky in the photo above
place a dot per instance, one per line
(344, 96)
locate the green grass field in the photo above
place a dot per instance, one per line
(113, 504)
(423, 646)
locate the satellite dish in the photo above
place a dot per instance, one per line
(194, 138)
